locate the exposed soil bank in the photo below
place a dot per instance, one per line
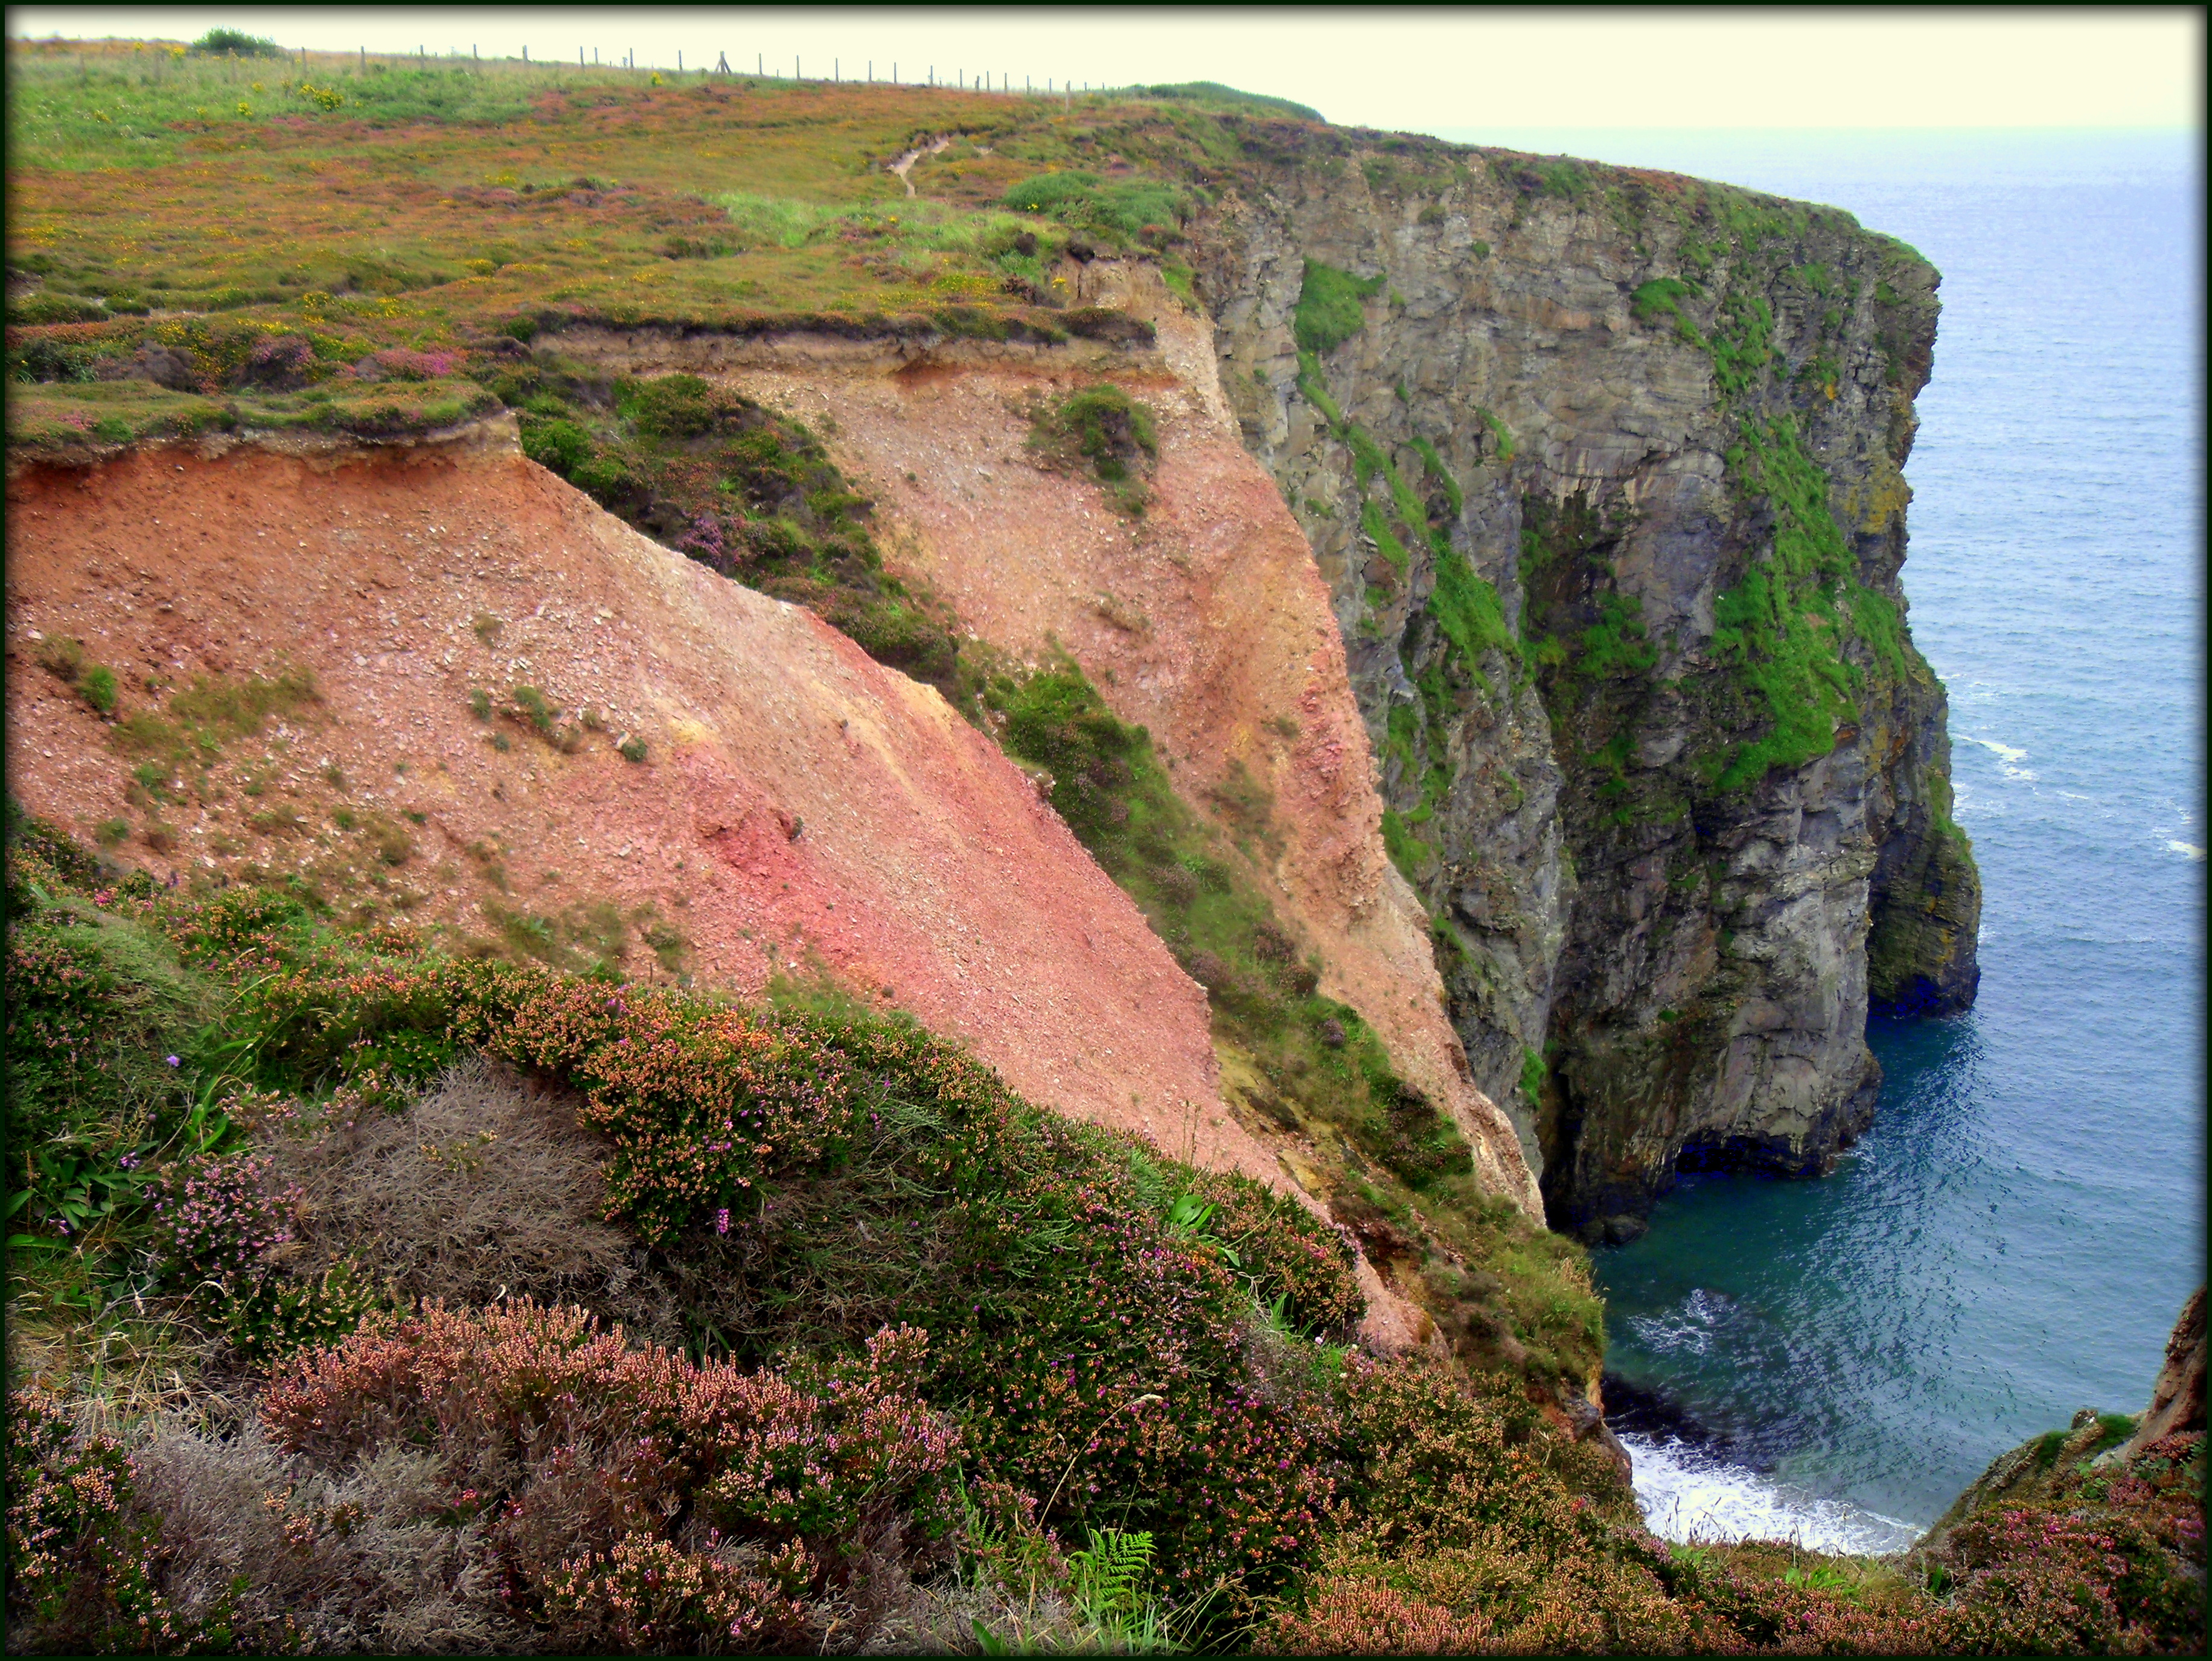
(797, 803)
(1206, 619)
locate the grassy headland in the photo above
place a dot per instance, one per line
(904, 1357)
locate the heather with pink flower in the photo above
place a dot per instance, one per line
(852, 1348)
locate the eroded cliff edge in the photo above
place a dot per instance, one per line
(1603, 471)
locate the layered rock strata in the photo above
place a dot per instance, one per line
(1603, 470)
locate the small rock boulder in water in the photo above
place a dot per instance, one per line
(1613, 1231)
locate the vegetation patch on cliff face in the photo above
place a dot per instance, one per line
(1108, 784)
(1331, 307)
(1594, 658)
(1801, 642)
(1104, 430)
(747, 492)
(1461, 626)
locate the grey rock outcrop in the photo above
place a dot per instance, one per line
(1602, 468)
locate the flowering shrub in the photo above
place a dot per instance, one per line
(218, 1223)
(279, 362)
(2109, 1561)
(2114, 1566)
(1440, 1459)
(82, 1560)
(1490, 1598)
(214, 1219)
(581, 1448)
(702, 540)
(1098, 1355)
(1280, 1258)
(646, 1594)
(825, 1183)
(700, 1102)
(403, 363)
(267, 1317)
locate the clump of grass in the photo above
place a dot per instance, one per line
(1132, 210)
(215, 710)
(97, 685)
(62, 656)
(1330, 307)
(589, 937)
(1661, 300)
(1104, 428)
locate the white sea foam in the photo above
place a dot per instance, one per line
(2009, 759)
(1687, 1328)
(1691, 1495)
(2186, 850)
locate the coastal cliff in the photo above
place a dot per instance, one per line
(1603, 469)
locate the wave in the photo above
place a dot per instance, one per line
(1692, 1495)
(2009, 759)
(2186, 850)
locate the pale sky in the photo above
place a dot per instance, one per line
(1410, 71)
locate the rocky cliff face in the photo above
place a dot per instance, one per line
(1603, 470)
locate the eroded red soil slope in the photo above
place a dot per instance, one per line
(1207, 620)
(797, 805)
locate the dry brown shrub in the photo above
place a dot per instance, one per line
(488, 1185)
(365, 1560)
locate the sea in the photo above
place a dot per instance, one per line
(1834, 1360)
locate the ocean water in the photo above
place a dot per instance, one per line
(2012, 1240)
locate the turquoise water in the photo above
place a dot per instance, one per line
(2014, 1238)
